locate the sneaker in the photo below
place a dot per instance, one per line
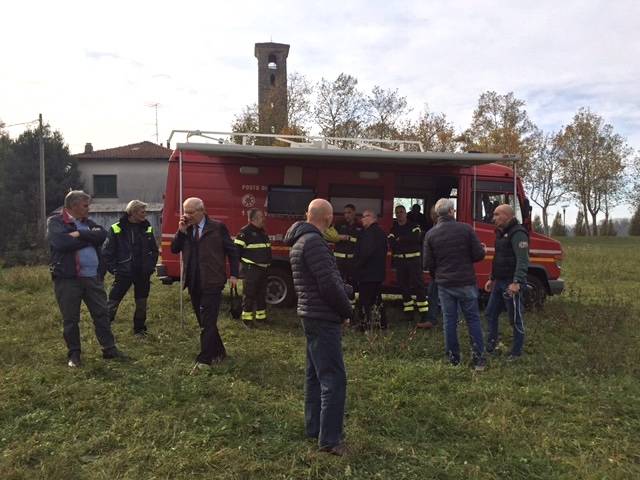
(199, 368)
(114, 354)
(74, 360)
(339, 450)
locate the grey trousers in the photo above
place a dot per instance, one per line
(69, 293)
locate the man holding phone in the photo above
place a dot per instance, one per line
(205, 245)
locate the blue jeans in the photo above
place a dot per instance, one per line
(499, 303)
(465, 298)
(326, 382)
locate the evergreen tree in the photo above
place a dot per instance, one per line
(580, 229)
(634, 225)
(537, 225)
(557, 228)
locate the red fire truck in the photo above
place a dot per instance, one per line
(233, 177)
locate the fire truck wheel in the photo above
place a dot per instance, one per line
(280, 291)
(535, 293)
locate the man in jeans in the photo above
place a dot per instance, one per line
(78, 271)
(508, 273)
(323, 305)
(450, 249)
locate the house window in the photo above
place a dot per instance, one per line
(291, 201)
(105, 186)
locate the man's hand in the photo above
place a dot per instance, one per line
(488, 286)
(346, 323)
(514, 288)
(233, 281)
(75, 234)
(182, 224)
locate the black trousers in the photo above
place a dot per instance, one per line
(141, 286)
(206, 306)
(70, 292)
(254, 290)
(346, 267)
(411, 282)
(369, 293)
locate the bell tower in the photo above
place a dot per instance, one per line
(272, 86)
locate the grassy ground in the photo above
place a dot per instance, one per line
(569, 409)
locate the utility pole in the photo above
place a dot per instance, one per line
(155, 105)
(43, 196)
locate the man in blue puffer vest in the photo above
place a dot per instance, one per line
(323, 305)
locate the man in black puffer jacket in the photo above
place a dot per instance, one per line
(323, 304)
(131, 253)
(450, 250)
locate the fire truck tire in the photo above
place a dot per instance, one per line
(280, 292)
(535, 293)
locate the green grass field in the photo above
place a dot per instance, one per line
(569, 409)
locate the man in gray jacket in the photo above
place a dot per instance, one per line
(323, 305)
(450, 249)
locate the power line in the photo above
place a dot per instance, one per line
(22, 123)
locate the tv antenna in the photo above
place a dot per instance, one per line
(155, 105)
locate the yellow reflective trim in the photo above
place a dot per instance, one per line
(408, 309)
(343, 255)
(391, 235)
(410, 302)
(149, 229)
(116, 228)
(353, 239)
(237, 241)
(261, 314)
(422, 304)
(259, 245)
(416, 229)
(246, 260)
(247, 316)
(423, 309)
(406, 255)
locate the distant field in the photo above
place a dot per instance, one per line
(569, 409)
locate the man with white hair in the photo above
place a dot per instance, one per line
(131, 253)
(77, 269)
(323, 305)
(205, 244)
(450, 249)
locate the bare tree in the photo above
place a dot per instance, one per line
(593, 159)
(543, 180)
(340, 109)
(386, 108)
(501, 124)
(299, 110)
(435, 132)
(633, 193)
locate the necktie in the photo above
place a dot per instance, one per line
(197, 232)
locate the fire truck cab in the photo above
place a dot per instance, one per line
(232, 178)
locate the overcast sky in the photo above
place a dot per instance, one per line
(93, 71)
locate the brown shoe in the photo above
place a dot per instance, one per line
(338, 450)
(426, 325)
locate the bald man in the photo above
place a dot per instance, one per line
(508, 275)
(323, 305)
(205, 243)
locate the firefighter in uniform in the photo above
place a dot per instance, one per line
(348, 233)
(254, 248)
(508, 275)
(405, 242)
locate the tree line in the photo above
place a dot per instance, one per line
(21, 231)
(585, 161)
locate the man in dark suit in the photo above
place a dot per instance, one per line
(370, 260)
(204, 244)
